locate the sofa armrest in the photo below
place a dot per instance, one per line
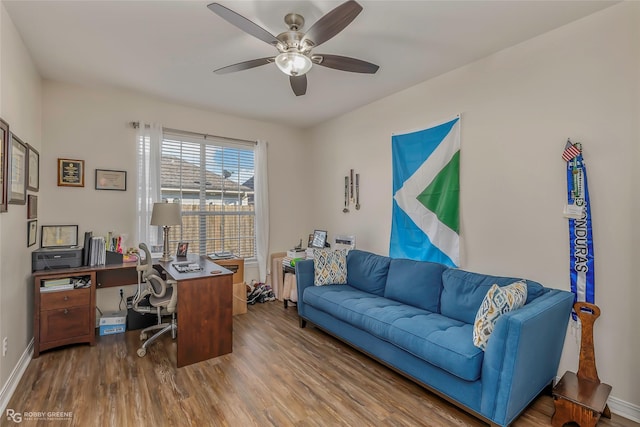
(523, 354)
(304, 279)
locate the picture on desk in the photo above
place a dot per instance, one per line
(183, 247)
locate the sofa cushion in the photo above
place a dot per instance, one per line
(463, 292)
(367, 271)
(441, 341)
(417, 283)
(361, 309)
(497, 302)
(330, 267)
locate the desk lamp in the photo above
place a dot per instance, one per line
(166, 215)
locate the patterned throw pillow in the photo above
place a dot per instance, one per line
(330, 267)
(496, 302)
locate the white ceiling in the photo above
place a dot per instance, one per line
(168, 49)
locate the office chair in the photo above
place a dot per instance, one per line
(163, 298)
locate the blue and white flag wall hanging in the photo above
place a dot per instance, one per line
(578, 211)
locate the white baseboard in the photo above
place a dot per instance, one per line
(624, 409)
(10, 386)
(620, 407)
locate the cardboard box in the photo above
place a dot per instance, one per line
(114, 318)
(114, 322)
(236, 265)
(239, 298)
(111, 329)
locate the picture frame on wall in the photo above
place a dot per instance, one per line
(32, 206)
(4, 159)
(70, 173)
(32, 232)
(17, 187)
(33, 180)
(111, 180)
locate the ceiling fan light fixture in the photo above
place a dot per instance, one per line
(293, 63)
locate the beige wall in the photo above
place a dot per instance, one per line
(94, 125)
(518, 108)
(21, 107)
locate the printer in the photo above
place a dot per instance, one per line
(52, 258)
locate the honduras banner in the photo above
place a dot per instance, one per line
(578, 210)
(426, 194)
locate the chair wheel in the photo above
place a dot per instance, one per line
(143, 336)
(142, 352)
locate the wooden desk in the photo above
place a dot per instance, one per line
(205, 301)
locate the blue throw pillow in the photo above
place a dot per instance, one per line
(463, 292)
(417, 283)
(367, 271)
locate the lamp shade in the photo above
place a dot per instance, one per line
(166, 214)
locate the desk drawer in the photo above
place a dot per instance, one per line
(65, 323)
(65, 299)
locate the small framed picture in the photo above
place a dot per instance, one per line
(32, 232)
(4, 160)
(183, 247)
(17, 172)
(111, 180)
(32, 206)
(70, 173)
(319, 239)
(58, 236)
(33, 179)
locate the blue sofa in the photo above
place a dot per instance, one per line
(417, 318)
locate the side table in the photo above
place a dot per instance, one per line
(581, 397)
(580, 400)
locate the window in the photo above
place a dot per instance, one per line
(212, 179)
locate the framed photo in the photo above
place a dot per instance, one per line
(58, 236)
(70, 173)
(17, 171)
(319, 239)
(32, 206)
(111, 180)
(183, 247)
(33, 179)
(32, 232)
(4, 149)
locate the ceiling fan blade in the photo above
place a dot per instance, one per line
(332, 23)
(243, 23)
(299, 84)
(345, 63)
(244, 65)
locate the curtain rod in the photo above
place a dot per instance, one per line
(136, 125)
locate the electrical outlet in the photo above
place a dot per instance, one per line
(121, 293)
(5, 346)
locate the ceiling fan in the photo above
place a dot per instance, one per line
(294, 56)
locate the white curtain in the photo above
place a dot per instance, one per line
(261, 187)
(149, 140)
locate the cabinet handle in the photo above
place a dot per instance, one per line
(66, 311)
(66, 298)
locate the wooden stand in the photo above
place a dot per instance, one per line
(581, 397)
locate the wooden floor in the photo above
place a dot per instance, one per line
(277, 375)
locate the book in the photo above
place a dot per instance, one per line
(221, 255)
(66, 287)
(56, 282)
(87, 247)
